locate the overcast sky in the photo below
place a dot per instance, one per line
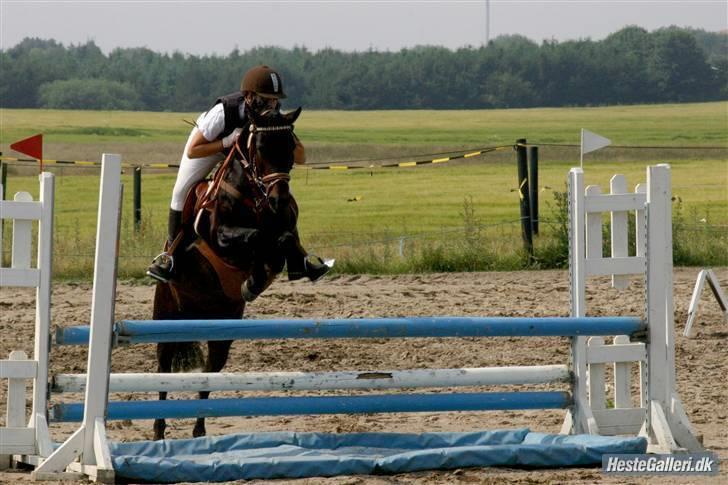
(217, 27)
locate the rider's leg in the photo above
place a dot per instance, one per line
(163, 265)
(298, 261)
(190, 172)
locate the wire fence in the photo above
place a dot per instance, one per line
(444, 234)
(354, 240)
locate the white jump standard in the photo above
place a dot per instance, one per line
(648, 341)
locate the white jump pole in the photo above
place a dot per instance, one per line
(309, 381)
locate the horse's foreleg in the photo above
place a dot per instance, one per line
(165, 353)
(217, 355)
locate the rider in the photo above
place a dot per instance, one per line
(214, 133)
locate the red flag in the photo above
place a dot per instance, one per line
(32, 147)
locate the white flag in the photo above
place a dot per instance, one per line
(591, 142)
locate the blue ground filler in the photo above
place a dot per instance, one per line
(299, 455)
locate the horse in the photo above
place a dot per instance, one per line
(238, 229)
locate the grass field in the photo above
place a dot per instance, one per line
(366, 217)
(701, 124)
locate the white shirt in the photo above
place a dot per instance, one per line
(212, 122)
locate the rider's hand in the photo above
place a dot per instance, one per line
(230, 140)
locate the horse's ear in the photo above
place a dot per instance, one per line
(292, 116)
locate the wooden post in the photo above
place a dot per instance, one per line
(137, 198)
(3, 183)
(533, 187)
(521, 159)
(3, 176)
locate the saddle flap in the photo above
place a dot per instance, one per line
(195, 194)
(231, 278)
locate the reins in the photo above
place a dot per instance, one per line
(262, 186)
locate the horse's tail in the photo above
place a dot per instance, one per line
(177, 356)
(187, 356)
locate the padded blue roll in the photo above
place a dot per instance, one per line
(299, 455)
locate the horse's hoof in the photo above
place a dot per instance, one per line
(159, 429)
(247, 294)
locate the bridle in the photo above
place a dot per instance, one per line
(263, 185)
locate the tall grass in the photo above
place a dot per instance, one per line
(469, 246)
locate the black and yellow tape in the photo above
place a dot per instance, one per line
(415, 163)
(335, 166)
(85, 163)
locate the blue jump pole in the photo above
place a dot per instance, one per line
(280, 406)
(156, 331)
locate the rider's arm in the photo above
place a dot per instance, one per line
(299, 154)
(205, 140)
(200, 147)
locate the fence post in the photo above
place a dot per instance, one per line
(533, 186)
(521, 158)
(137, 198)
(3, 176)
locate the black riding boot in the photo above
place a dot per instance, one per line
(162, 267)
(299, 262)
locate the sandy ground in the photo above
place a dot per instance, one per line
(702, 362)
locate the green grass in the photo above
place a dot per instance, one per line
(676, 124)
(359, 216)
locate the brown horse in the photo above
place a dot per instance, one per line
(239, 229)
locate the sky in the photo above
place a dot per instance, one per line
(217, 27)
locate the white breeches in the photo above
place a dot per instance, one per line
(191, 171)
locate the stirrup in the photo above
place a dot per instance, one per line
(157, 262)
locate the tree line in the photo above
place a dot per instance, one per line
(629, 66)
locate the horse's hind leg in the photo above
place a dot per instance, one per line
(217, 355)
(165, 353)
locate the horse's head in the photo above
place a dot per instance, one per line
(270, 148)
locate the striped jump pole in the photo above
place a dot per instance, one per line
(285, 406)
(158, 331)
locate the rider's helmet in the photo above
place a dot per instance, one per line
(263, 81)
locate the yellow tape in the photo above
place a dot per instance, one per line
(85, 163)
(158, 165)
(441, 160)
(474, 154)
(407, 164)
(338, 167)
